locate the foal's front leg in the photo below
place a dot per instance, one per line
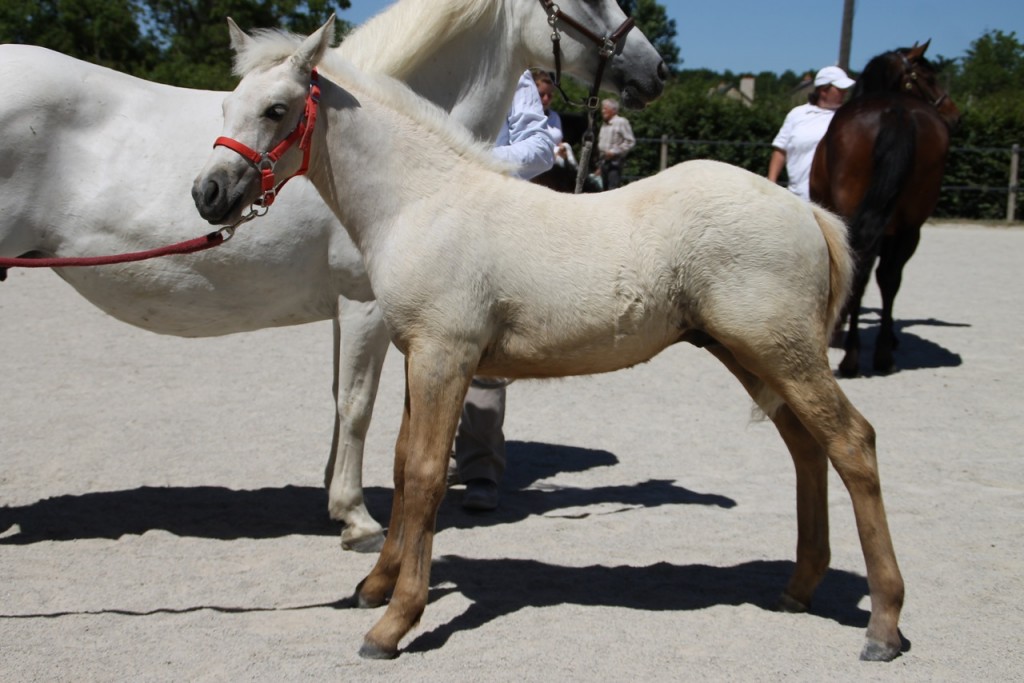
(360, 345)
(436, 384)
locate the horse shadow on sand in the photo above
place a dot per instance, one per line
(499, 587)
(495, 587)
(217, 512)
(914, 352)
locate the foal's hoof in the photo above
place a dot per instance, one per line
(874, 651)
(371, 543)
(362, 600)
(372, 651)
(790, 604)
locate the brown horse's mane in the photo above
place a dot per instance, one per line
(885, 72)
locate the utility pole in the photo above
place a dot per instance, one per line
(846, 35)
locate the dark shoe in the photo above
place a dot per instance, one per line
(481, 495)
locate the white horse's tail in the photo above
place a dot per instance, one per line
(840, 263)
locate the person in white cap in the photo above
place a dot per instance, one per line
(805, 125)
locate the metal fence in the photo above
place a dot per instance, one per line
(979, 182)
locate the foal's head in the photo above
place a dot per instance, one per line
(265, 114)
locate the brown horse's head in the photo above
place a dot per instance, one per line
(906, 70)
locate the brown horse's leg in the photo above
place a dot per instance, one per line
(896, 251)
(850, 365)
(436, 384)
(812, 547)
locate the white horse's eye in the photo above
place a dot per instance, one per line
(275, 112)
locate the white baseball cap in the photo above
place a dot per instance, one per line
(833, 75)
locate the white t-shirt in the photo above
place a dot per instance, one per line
(524, 139)
(798, 138)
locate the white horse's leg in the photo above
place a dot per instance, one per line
(360, 344)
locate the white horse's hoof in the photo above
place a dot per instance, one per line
(364, 543)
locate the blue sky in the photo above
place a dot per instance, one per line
(802, 35)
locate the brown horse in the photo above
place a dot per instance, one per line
(880, 166)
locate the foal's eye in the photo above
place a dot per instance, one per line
(275, 112)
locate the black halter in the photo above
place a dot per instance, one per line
(909, 81)
(606, 46)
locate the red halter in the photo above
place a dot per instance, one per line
(264, 162)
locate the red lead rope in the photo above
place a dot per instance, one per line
(187, 247)
(263, 162)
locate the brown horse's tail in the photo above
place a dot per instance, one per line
(892, 163)
(841, 265)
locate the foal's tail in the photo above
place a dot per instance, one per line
(892, 162)
(840, 260)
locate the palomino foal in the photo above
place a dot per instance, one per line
(515, 283)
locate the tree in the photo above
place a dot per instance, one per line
(993, 66)
(653, 20)
(104, 32)
(193, 38)
(179, 42)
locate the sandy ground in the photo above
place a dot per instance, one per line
(161, 516)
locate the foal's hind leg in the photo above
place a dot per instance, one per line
(812, 547)
(896, 251)
(849, 441)
(817, 409)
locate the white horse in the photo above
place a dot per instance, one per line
(96, 162)
(479, 273)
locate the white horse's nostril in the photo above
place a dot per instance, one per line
(212, 191)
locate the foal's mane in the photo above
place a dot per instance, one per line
(270, 47)
(399, 38)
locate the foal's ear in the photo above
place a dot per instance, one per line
(312, 49)
(239, 38)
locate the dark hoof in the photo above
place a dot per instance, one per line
(371, 651)
(875, 651)
(787, 603)
(848, 370)
(365, 544)
(884, 367)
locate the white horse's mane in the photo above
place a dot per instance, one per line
(397, 40)
(270, 47)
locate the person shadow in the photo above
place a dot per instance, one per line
(524, 494)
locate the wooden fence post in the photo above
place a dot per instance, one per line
(1014, 187)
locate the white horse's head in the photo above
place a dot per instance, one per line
(595, 39)
(269, 110)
